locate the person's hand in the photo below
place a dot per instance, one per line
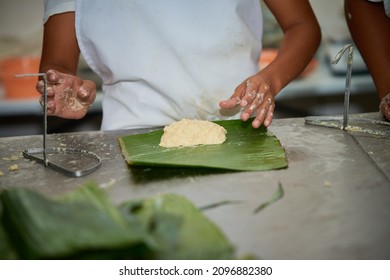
(255, 96)
(384, 106)
(68, 96)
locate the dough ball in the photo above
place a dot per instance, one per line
(187, 133)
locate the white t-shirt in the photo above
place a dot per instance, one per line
(162, 61)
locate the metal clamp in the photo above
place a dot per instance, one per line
(33, 152)
(347, 79)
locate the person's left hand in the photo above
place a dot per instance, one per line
(255, 96)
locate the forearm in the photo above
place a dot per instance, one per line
(302, 36)
(67, 95)
(297, 49)
(370, 30)
(60, 50)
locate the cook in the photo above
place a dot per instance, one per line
(162, 61)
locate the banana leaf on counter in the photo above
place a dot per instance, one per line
(245, 149)
(86, 225)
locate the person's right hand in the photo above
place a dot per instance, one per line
(68, 96)
(255, 97)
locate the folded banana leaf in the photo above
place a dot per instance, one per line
(179, 228)
(41, 228)
(245, 149)
(86, 225)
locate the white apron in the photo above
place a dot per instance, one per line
(164, 60)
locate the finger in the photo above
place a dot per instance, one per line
(230, 103)
(248, 112)
(40, 86)
(234, 100)
(52, 79)
(262, 112)
(50, 105)
(53, 76)
(270, 114)
(87, 92)
(384, 105)
(74, 81)
(385, 109)
(250, 93)
(83, 94)
(260, 115)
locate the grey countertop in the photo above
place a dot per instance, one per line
(336, 202)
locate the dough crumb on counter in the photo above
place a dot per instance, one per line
(188, 133)
(13, 167)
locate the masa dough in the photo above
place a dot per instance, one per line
(186, 133)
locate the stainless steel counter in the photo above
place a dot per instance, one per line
(336, 203)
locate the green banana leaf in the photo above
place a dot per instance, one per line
(179, 228)
(245, 149)
(86, 225)
(42, 228)
(7, 252)
(278, 194)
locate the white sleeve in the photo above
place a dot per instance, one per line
(53, 7)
